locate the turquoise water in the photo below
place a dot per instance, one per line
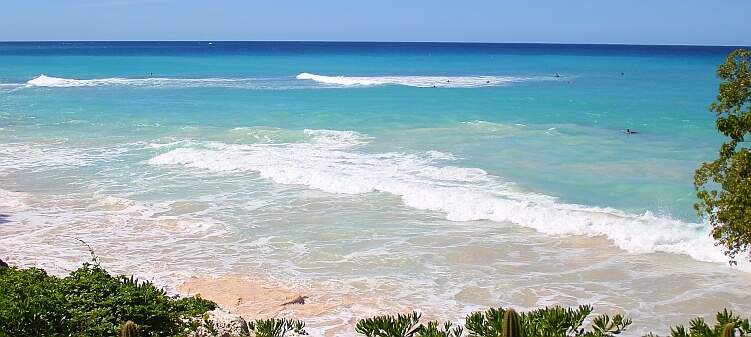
(441, 177)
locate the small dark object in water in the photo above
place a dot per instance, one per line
(296, 300)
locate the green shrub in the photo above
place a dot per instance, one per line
(405, 326)
(275, 327)
(89, 302)
(432, 330)
(27, 299)
(699, 328)
(486, 324)
(549, 322)
(388, 326)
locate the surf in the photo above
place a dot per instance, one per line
(416, 81)
(45, 81)
(337, 162)
(304, 80)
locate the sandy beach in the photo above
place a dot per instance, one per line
(259, 299)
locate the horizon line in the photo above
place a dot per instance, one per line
(388, 42)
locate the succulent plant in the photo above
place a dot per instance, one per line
(276, 327)
(389, 326)
(511, 327)
(729, 330)
(130, 329)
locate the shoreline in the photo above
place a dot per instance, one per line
(331, 311)
(260, 300)
(322, 311)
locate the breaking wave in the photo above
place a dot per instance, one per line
(301, 81)
(429, 182)
(242, 83)
(417, 81)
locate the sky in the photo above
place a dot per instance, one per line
(683, 22)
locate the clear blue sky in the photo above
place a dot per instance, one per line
(695, 22)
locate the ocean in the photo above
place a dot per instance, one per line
(383, 177)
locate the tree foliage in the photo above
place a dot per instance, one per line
(724, 185)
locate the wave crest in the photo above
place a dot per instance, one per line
(48, 81)
(424, 181)
(242, 83)
(415, 81)
(301, 81)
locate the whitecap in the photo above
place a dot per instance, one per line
(461, 193)
(415, 81)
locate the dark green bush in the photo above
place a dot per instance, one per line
(89, 302)
(28, 303)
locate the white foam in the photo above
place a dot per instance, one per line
(337, 139)
(283, 83)
(10, 87)
(57, 82)
(31, 156)
(415, 81)
(438, 155)
(461, 193)
(12, 200)
(243, 83)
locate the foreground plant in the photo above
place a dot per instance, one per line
(550, 322)
(499, 322)
(433, 330)
(389, 326)
(89, 302)
(276, 327)
(727, 325)
(130, 329)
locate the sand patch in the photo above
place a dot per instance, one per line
(322, 310)
(248, 298)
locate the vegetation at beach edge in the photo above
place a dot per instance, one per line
(549, 322)
(90, 302)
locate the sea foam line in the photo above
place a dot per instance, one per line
(246, 83)
(282, 82)
(415, 81)
(461, 193)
